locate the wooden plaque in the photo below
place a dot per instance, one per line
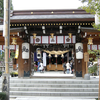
(86, 57)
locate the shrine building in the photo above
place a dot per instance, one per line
(51, 36)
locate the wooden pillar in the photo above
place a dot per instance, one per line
(78, 66)
(24, 66)
(67, 56)
(20, 63)
(84, 63)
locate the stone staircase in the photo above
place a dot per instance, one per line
(53, 87)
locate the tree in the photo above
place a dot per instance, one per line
(93, 7)
(2, 7)
(2, 57)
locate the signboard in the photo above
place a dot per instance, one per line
(86, 57)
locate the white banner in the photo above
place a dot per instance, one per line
(37, 40)
(55, 40)
(44, 39)
(12, 47)
(44, 59)
(60, 39)
(94, 47)
(98, 47)
(31, 39)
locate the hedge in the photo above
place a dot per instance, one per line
(2, 96)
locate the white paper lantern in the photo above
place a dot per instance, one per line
(38, 50)
(79, 50)
(25, 50)
(97, 19)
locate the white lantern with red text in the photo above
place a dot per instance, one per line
(79, 50)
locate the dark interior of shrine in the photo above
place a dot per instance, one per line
(56, 47)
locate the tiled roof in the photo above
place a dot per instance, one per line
(52, 16)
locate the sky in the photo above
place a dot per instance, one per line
(45, 4)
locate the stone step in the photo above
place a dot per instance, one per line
(31, 93)
(55, 85)
(52, 98)
(54, 89)
(54, 82)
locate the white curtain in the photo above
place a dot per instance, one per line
(44, 59)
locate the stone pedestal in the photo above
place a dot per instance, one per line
(5, 84)
(87, 76)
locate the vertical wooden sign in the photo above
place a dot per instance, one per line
(86, 59)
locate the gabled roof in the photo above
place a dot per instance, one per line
(51, 15)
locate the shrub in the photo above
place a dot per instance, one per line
(93, 69)
(0, 73)
(2, 96)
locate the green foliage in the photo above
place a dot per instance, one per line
(12, 54)
(2, 58)
(93, 7)
(93, 69)
(2, 96)
(2, 7)
(97, 27)
(0, 73)
(93, 52)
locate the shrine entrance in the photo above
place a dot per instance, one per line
(53, 56)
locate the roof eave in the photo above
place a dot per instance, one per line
(51, 20)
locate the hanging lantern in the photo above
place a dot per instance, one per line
(25, 50)
(14, 41)
(52, 35)
(90, 41)
(79, 50)
(70, 35)
(38, 50)
(56, 56)
(49, 55)
(34, 35)
(62, 55)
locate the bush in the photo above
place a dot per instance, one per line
(2, 96)
(93, 69)
(0, 73)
